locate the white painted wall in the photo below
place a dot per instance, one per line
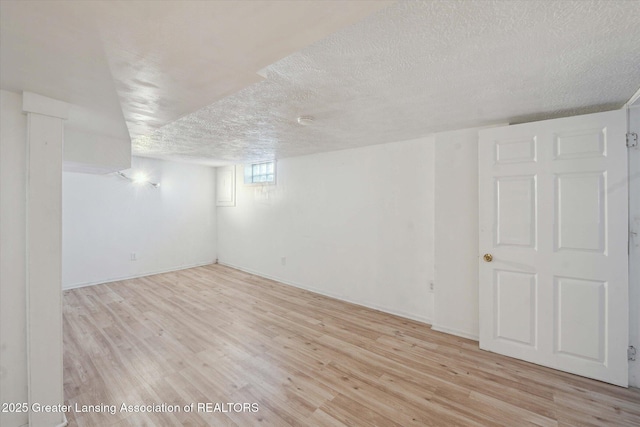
(93, 153)
(13, 194)
(456, 233)
(354, 224)
(106, 218)
(634, 248)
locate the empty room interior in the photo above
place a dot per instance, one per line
(320, 213)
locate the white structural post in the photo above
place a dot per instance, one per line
(45, 136)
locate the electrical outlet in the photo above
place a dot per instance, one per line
(134, 257)
(283, 260)
(432, 286)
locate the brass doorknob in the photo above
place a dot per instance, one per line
(488, 257)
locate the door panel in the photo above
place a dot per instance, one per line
(516, 210)
(580, 328)
(553, 214)
(580, 203)
(515, 151)
(580, 144)
(516, 306)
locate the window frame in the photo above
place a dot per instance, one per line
(249, 175)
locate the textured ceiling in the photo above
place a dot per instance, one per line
(415, 68)
(130, 67)
(170, 58)
(211, 82)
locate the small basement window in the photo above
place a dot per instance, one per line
(260, 173)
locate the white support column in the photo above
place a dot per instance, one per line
(45, 137)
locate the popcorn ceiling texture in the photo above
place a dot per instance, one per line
(416, 68)
(131, 67)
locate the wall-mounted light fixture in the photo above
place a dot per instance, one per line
(305, 120)
(139, 178)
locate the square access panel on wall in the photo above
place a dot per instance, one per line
(226, 186)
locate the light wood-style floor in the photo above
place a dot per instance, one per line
(215, 334)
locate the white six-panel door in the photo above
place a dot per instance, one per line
(553, 224)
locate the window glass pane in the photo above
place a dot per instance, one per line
(260, 173)
(248, 175)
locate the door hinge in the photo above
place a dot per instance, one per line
(632, 139)
(631, 353)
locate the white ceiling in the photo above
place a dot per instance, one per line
(183, 75)
(52, 48)
(131, 67)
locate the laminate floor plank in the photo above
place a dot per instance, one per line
(245, 350)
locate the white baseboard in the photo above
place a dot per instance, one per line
(64, 421)
(634, 374)
(148, 273)
(455, 332)
(374, 306)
